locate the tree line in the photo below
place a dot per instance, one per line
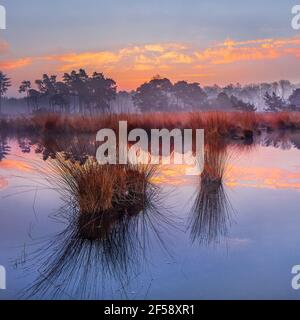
(79, 92)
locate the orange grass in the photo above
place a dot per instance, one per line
(97, 188)
(221, 123)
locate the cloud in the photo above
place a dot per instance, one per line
(87, 60)
(231, 51)
(131, 65)
(15, 64)
(230, 55)
(155, 55)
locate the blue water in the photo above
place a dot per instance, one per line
(250, 257)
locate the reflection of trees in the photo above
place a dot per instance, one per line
(77, 148)
(211, 209)
(111, 215)
(24, 144)
(4, 147)
(282, 139)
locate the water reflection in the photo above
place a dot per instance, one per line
(211, 210)
(4, 147)
(112, 216)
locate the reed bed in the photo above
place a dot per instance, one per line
(222, 123)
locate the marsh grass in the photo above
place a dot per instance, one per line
(223, 123)
(112, 214)
(97, 189)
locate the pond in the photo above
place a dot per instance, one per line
(232, 233)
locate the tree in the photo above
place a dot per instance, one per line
(61, 97)
(47, 88)
(123, 103)
(78, 86)
(93, 93)
(223, 101)
(240, 105)
(212, 91)
(25, 88)
(4, 85)
(34, 97)
(294, 99)
(102, 91)
(189, 94)
(274, 103)
(154, 95)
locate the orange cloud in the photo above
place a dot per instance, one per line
(15, 64)
(157, 54)
(131, 65)
(87, 59)
(231, 54)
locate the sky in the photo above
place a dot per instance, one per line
(215, 41)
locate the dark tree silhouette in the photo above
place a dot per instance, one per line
(240, 105)
(154, 95)
(4, 85)
(223, 101)
(47, 88)
(77, 83)
(92, 93)
(102, 90)
(189, 95)
(25, 87)
(34, 97)
(61, 98)
(274, 103)
(294, 100)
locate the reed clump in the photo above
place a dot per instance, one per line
(103, 188)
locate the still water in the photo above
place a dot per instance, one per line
(234, 236)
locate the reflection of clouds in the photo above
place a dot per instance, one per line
(3, 183)
(12, 164)
(174, 175)
(258, 177)
(239, 242)
(255, 173)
